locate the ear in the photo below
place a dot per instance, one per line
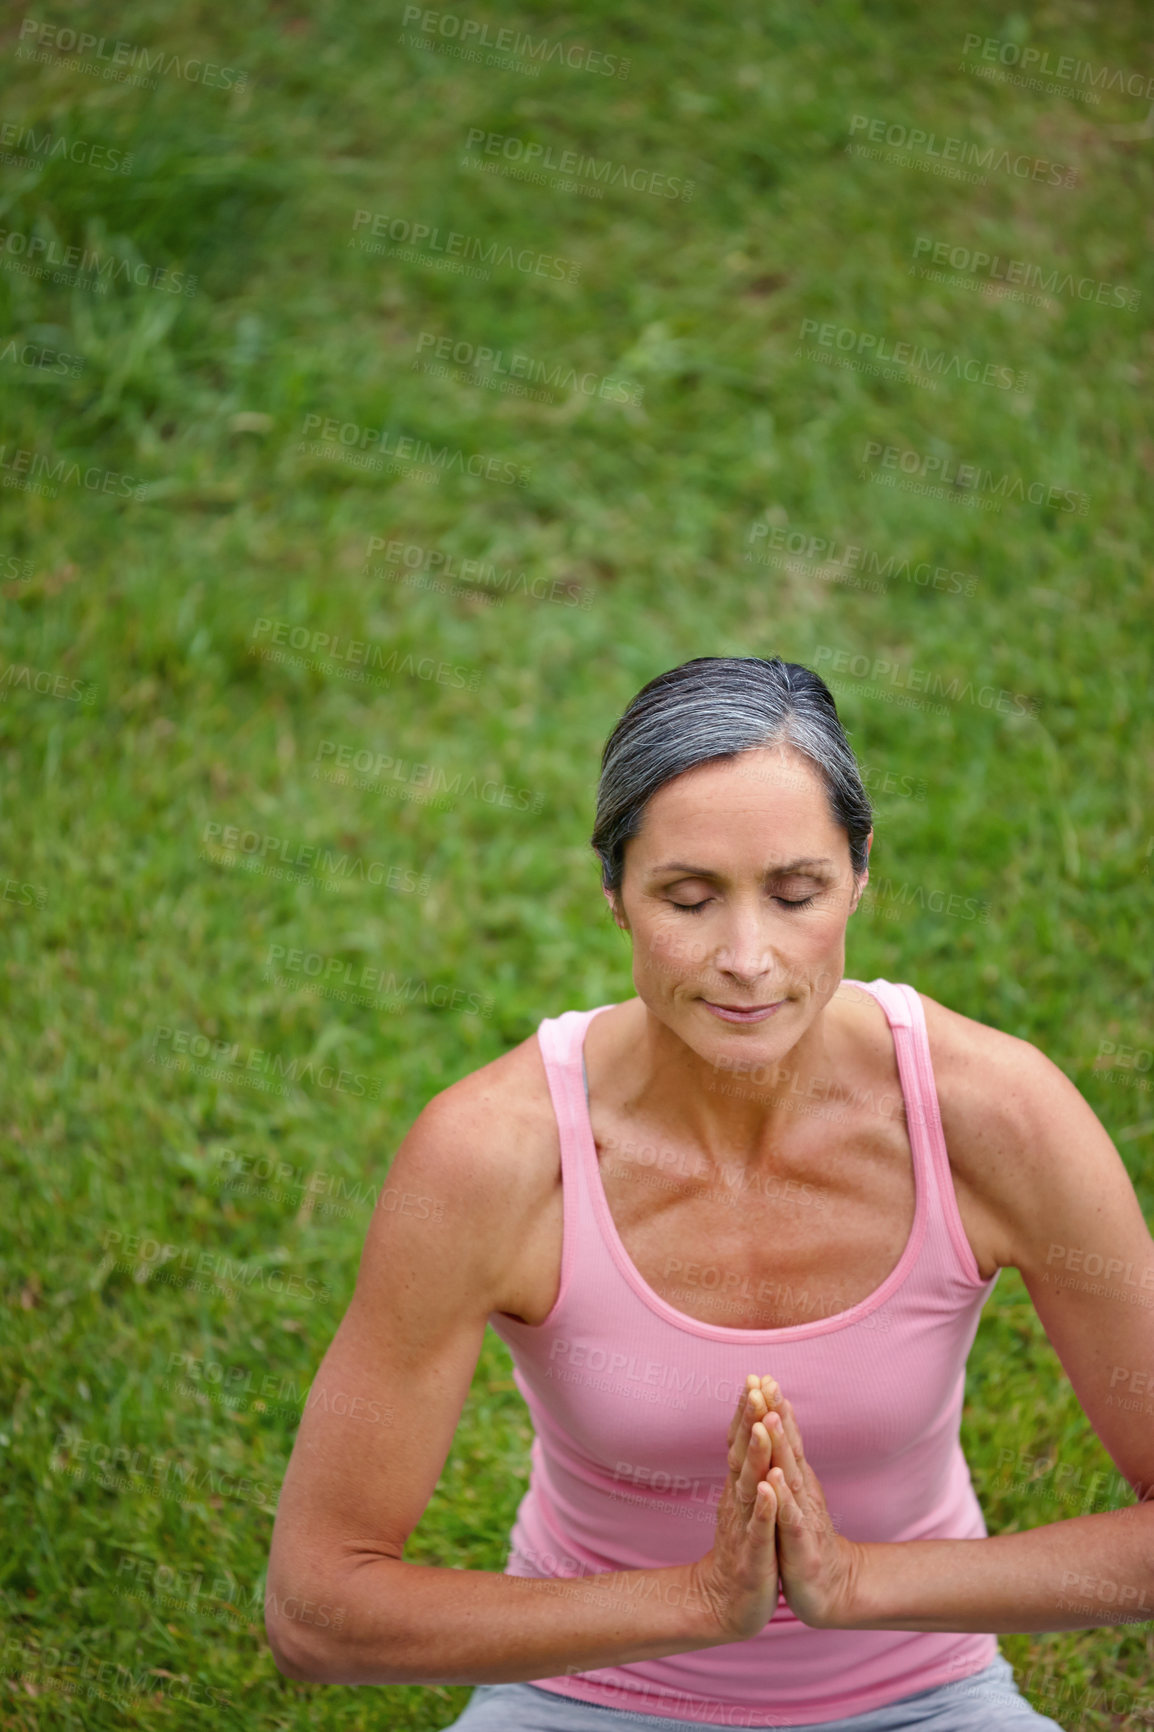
(609, 897)
(865, 877)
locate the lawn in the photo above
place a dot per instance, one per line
(385, 403)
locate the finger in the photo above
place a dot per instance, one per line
(763, 1518)
(756, 1464)
(789, 1511)
(785, 1412)
(755, 1410)
(738, 1413)
(740, 1410)
(793, 1431)
(742, 1428)
(783, 1456)
(771, 1390)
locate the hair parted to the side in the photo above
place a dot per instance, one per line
(714, 707)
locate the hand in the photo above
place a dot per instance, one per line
(819, 1569)
(737, 1578)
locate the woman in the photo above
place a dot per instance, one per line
(735, 1181)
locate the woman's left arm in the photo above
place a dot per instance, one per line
(1043, 1167)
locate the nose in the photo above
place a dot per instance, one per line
(746, 954)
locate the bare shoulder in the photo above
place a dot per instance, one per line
(488, 1147)
(987, 1078)
(1005, 1108)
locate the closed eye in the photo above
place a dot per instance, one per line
(785, 901)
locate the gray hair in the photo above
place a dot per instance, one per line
(715, 707)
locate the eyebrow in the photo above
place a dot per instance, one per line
(703, 872)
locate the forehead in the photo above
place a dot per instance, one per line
(758, 796)
(781, 775)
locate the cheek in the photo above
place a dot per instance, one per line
(673, 945)
(825, 938)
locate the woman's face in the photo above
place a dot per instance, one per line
(736, 891)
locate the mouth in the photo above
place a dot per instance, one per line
(740, 1013)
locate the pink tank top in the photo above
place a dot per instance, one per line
(631, 1399)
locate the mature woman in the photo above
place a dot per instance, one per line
(737, 1232)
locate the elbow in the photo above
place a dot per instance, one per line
(305, 1638)
(295, 1656)
(313, 1633)
(303, 1635)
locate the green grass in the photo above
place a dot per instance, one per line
(148, 595)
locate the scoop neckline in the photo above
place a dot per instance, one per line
(730, 1332)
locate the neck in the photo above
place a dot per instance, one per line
(738, 1110)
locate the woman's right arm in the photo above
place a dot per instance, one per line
(342, 1604)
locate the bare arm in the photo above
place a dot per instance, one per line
(1067, 1217)
(343, 1606)
(1068, 1575)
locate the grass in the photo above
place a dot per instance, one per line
(138, 724)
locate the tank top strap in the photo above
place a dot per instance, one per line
(561, 1040)
(906, 1015)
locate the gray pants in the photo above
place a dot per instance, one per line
(987, 1702)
